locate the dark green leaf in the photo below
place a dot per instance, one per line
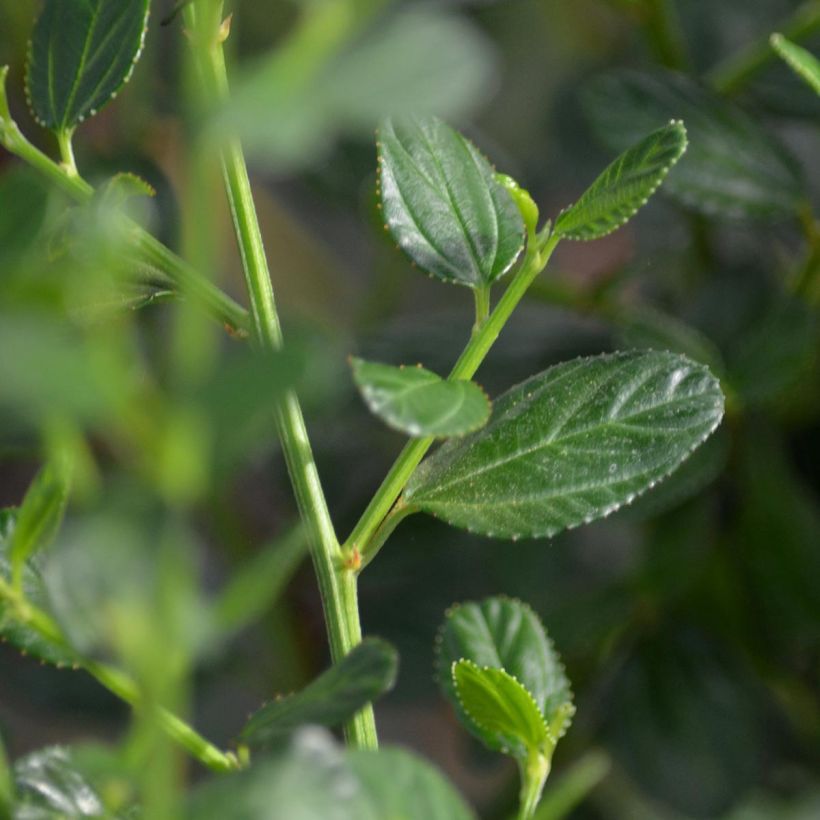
(41, 513)
(571, 444)
(23, 637)
(732, 168)
(367, 672)
(82, 52)
(801, 61)
(625, 186)
(502, 712)
(49, 786)
(313, 779)
(443, 205)
(401, 786)
(506, 634)
(420, 403)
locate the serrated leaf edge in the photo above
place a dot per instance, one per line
(663, 174)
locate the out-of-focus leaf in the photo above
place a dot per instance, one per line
(82, 52)
(684, 727)
(500, 709)
(443, 204)
(6, 783)
(41, 512)
(732, 168)
(313, 779)
(19, 225)
(420, 403)
(571, 444)
(803, 62)
(625, 186)
(410, 60)
(506, 634)
(367, 672)
(768, 807)
(566, 792)
(402, 786)
(49, 786)
(23, 637)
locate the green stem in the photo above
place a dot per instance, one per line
(64, 138)
(397, 514)
(119, 684)
(730, 75)
(534, 773)
(482, 306)
(666, 37)
(337, 583)
(65, 177)
(465, 368)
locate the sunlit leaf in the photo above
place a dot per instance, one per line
(732, 168)
(625, 186)
(503, 633)
(443, 204)
(571, 444)
(803, 62)
(501, 710)
(420, 403)
(367, 672)
(82, 53)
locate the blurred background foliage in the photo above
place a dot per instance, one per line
(689, 622)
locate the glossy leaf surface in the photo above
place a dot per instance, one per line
(502, 711)
(443, 205)
(82, 53)
(19, 635)
(503, 633)
(625, 186)
(803, 62)
(367, 672)
(571, 444)
(417, 402)
(733, 168)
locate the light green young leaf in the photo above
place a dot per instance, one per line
(625, 186)
(444, 206)
(367, 672)
(803, 62)
(417, 402)
(503, 633)
(41, 513)
(571, 444)
(26, 639)
(501, 710)
(81, 54)
(732, 169)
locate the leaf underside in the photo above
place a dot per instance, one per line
(801, 61)
(81, 53)
(501, 709)
(625, 186)
(417, 402)
(571, 444)
(732, 168)
(335, 696)
(443, 205)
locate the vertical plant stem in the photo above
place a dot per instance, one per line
(337, 583)
(534, 773)
(475, 351)
(67, 151)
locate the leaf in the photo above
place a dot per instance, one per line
(571, 444)
(803, 62)
(312, 778)
(625, 186)
(50, 784)
(418, 402)
(41, 513)
(733, 168)
(81, 54)
(367, 672)
(401, 786)
(506, 634)
(409, 60)
(443, 204)
(502, 711)
(26, 639)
